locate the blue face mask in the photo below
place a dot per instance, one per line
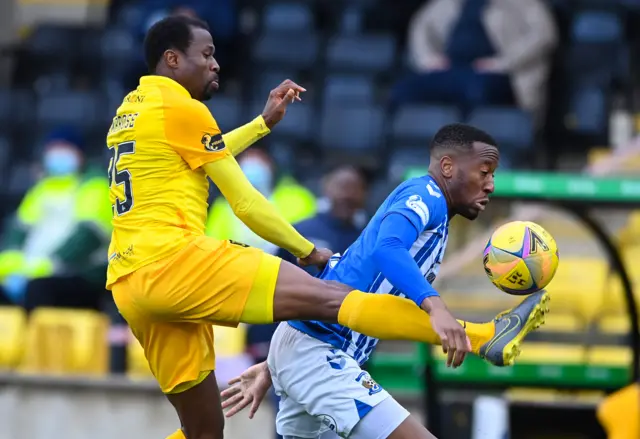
(57, 163)
(259, 175)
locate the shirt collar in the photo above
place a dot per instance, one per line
(164, 80)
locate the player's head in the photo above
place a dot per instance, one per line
(463, 161)
(181, 48)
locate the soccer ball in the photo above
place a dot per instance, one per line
(520, 258)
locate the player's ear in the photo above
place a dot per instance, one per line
(171, 58)
(446, 166)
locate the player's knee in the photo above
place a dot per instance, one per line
(333, 294)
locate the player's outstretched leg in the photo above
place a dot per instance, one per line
(512, 327)
(299, 296)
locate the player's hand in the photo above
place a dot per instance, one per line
(279, 98)
(318, 257)
(248, 388)
(455, 342)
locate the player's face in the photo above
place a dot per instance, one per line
(200, 69)
(473, 175)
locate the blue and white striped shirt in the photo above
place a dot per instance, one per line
(423, 204)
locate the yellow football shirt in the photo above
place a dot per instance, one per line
(159, 139)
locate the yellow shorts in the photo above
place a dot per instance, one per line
(172, 304)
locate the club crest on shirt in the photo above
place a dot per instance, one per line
(213, 143)
(368, 383)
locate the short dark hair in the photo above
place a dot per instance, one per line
(459, 137)
(173, 32)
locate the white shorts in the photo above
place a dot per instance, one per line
(322, 388)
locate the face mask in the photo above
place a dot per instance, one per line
(259, 175)
(61, 163)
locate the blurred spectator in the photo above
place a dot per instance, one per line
(53, 253)
(479, 52)
(294, 201)
(341, 215)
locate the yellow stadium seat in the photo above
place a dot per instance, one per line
(64, 341)
(617, 324)
(609, 356)
(579, 286)
(552, 353)
(562, 323)
(13, 327)
(229, 342)
(137, 364)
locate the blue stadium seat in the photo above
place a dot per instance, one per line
(297, 124)
(5, 159)
(83, 109)
(352, 128)
(268, 80)
(597, 27)
(284, 51)
(419, 123)
(51, 40)
(20, 179)
(348, 89)
(510, 127)
(588, 114)
(364, 53)
(16, 107)
(403, 158)
(227, 111)
(287, 17)
(117, 49)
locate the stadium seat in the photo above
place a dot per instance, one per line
(63, 341)
(117, 49)
(404, 158)
(366, 54)
(50, 43)
(617, 324)
(552, 353)
(355, 128)
(510, 127)
(609, 356)
(588, 110)
(227, 111)
(137, 364)
(266, 81)
(297, 125)
(21, 178)
(280, 50)
(579, 286)
(16, 108)
(419, 123)
(596, 27)
(13, 326)
(5, 160)
(339, 89)
(562, 322)
(287, 17)
(74, 108)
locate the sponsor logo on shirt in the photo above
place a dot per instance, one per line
(213, 143)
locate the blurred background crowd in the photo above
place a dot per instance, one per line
(554, 81)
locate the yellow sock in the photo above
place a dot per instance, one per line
(393, 318)
(177, 435)
(478, 333)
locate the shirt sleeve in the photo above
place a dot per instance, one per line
(391, 255)
(193, 132)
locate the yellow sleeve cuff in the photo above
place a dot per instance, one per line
(243, 137)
